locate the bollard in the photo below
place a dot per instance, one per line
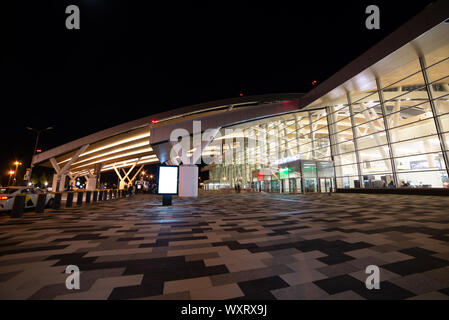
(57, 203)
(69, 201)
(18, 206)
(115, 194)
(79, 200)
(95, 197)
(110, 194)
(41, 201)
(100, 196)
(88, 195)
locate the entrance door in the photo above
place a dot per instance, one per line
(310, 176)
(292, 185)
(310, 185)
(326, 185)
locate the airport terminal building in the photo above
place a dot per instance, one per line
(380, 122)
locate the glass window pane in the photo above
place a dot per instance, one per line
(370, 127)
(325, 169)
(323, 153)
(374, 154)
(415, 98)
(374, 140)
(446, 140)
(320, 132)
(444, 122)
(340, 114)
(375, 167)
(383, 180)
(366, 112)
(345, 147)
(348, 170)
(420, 162)
(440, 88)
(424, 179)
(343, 125)
(409, 114)
(413, 130)
(442, 104)
(345, 135)
(345, 159)
(423, 145)
(304, 148)
(348, 182)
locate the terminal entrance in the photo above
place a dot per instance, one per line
(326, 185)
(299, 176)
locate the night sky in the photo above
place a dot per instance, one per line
(131, 59)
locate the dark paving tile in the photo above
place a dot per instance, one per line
(335, 258)
(260, 289)
(339, 284)
(387, 291)
(417, 265)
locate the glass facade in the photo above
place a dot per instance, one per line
(393, 134)
(289, 153)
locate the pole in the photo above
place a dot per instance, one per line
(15, 174)
(32, 156)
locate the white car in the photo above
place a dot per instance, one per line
(7, 195)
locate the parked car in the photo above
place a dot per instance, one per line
(7, 195)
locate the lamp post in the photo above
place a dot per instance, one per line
(38, 132)
(17, 164)
(11, 172)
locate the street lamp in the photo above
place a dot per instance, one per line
(38, 132)
(17, 164)
(11, 172)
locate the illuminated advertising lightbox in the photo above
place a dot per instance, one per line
(283, 173)
(168, 180)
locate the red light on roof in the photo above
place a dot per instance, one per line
(314, 82)
(38, 150)
(154, 121)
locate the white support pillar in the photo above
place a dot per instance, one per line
(73, 178)
(58, 182)
(121, 183)
(122, 180)
(134, 177)
(91, 182)
(61, 173)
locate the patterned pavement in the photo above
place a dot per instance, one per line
(231, 246)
